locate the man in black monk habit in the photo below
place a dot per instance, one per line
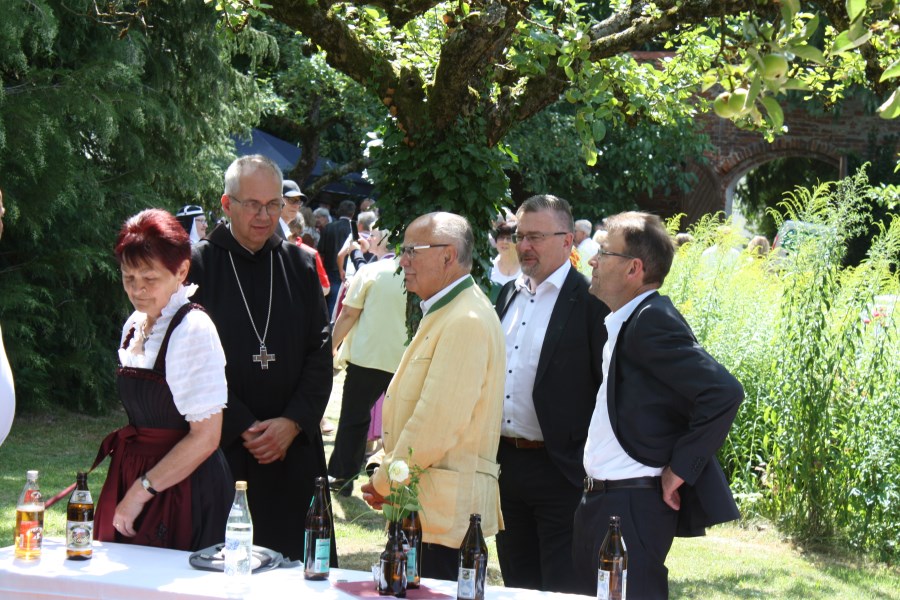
(264, 296)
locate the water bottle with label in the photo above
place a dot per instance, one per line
(239, 538)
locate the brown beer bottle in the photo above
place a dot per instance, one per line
(317, 541)
(80, 521)
(412, 527)
(473, 558)
(612, 572)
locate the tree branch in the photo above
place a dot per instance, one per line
(348, 53)
(336, 174)
(629, 29)
(466, 57)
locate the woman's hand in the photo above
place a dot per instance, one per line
(129, 508)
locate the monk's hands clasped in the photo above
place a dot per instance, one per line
(269, 440)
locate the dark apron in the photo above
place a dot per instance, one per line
(155, 427)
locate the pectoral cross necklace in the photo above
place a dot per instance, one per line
(263, 358)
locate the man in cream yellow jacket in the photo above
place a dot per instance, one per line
(445, 400)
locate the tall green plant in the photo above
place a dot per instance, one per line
(817, 329)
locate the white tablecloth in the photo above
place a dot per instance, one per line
(127, 572)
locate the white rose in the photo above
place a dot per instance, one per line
(398, 471)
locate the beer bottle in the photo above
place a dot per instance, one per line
(473, 558)
(392, 580)
(80, 521)
(317, 541)
(238, 549)
(412, 527)
(612, 572)
(29, 519)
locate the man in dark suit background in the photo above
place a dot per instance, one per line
(663, 411)
(333, 237)
(554, 337)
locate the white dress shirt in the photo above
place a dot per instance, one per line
(195, 361)
(604, 457)
(525, 326)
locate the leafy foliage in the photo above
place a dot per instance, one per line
(632, 160)
(449, 172)
(97, 123)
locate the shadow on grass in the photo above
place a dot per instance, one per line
(359, 513)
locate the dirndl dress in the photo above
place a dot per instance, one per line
(189, 515)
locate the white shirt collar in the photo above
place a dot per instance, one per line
(556, 279)
(616, 319)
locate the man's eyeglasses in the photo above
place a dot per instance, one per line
(410, 251)
(534, 238)
(601, 253)
(252, 207)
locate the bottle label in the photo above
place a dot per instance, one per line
(466, 584)
(603, 584)
(238, 551)
(79, 535)
(29, 529)
(411, 563)
(322, 561)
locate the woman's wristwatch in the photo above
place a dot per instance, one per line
(145, 483)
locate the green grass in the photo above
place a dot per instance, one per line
(731, 562)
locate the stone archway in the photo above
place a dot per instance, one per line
(830, 137)
(758, 154)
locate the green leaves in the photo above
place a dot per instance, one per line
(891, 108)
(855, 9)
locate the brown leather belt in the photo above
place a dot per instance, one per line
(522, 443)
(635, 483)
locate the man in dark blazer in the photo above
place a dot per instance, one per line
(663, 411)
(554, 337)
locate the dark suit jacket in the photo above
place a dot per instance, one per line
(569, 371)
(333, 237)
(671, 403)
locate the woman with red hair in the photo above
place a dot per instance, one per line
(168, 484)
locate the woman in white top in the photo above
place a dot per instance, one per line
(506, 263)
(168, 484)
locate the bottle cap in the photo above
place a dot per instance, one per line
(614, 520)
(240, 485)
(31, 474)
